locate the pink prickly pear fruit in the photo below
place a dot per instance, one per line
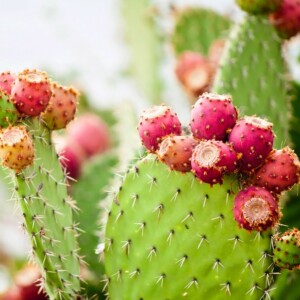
(157, 123)
(31, 92)
(212, 159)
(287, 18)
(16, 148)
(176, 151)
(90, 133)
(71, 156)
(215, 52)
(213, 116)
(253, 138)
(62, 107)
(6, 80)
(27, 283)
(255, 208)
(194, 72)
(280, 171)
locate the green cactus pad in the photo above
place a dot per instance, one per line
(170, 237)
(259, 6)
(287, 249)
(197, 28)
(8, 113)
(47, 211)
(252, 71)
(89, 195)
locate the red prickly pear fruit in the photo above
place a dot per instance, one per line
(255, 208)
(16, 148)
(27, 281)
(6, 80)
(257, 7)
(280, 171)
(157, 123)
(62, 106)
(253, 138)
(287, 18)
(176, 151)
(71, 156)
(90, 133)
(31, 92)
(211, 159)
(213, 116)
(194, 72)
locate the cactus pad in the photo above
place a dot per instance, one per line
(170, 237)
(8, 112)
(197, 28)
(252, 71)
(47, 212)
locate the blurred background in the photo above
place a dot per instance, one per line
(85, 44)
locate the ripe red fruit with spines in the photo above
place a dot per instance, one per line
(16, 148)
(62, 106)
(71, 155)
(31, 92)
(157, 123)
(253, 138)
(280, 172)
(91, 133)
(212, 159)
(176, 152)
(194, 71)
(287, 18)
(6, 80)
(213, 116)
(255, 208)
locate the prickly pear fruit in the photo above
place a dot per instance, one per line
(8, 112)
(259, 6)
(287, 18)
(213, 116)
(16, 148)
(31, 92)
(215, 52)
(27, 281)
(211, 159)
(61, 108)
(255, 208)
(253, 137)
(6, 80)
(71, 156)
(280, 171)
(176, 151)
(287, 249)
(90, 133)
(194, 71)
(156, 123)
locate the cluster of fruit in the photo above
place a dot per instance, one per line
(220, 144)
(27, 94)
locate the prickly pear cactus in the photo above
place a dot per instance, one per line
(47, 211)
(89, 193)
(170, 237)
(197, 28)
(252, 71)
(8, 112)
